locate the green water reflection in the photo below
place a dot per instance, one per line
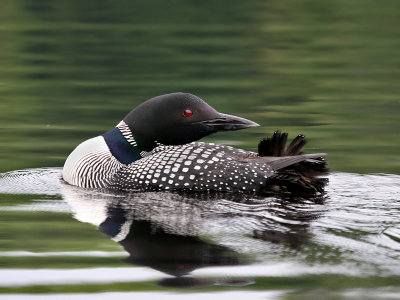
(71, 70)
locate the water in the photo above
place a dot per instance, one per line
(72, 70)
(69, 239)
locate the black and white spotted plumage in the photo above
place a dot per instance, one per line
(143, 153)
(195, 167)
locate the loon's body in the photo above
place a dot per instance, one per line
(154, 148)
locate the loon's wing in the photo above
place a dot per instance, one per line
(280, 162)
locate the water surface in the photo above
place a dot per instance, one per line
(71, 70)
(71, 239)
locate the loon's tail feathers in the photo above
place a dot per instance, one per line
(296, 173)
(281, 162)
(276, 145)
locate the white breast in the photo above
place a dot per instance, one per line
(90, 164)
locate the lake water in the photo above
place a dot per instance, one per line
(71, 70)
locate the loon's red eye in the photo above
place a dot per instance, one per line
(188, 113)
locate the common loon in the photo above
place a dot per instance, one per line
(154, 148)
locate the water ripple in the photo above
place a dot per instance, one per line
(357, 224)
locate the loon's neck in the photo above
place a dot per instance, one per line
(124, 146)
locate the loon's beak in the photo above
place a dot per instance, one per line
(228, 122)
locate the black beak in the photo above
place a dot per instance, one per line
(228, 122)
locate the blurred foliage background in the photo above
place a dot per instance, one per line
(71, 70)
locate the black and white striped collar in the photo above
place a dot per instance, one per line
(127, 133)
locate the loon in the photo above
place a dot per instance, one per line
(155, 148)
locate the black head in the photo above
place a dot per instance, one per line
(179, 118)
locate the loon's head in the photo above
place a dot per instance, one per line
(179, 118)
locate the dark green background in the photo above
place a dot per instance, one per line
(71, 70)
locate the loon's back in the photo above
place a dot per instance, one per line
(146, 154)
(201, 167)
(196, 167)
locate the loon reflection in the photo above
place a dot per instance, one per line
(178, 233)
(173, 254)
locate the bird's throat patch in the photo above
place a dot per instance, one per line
(120, 148)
